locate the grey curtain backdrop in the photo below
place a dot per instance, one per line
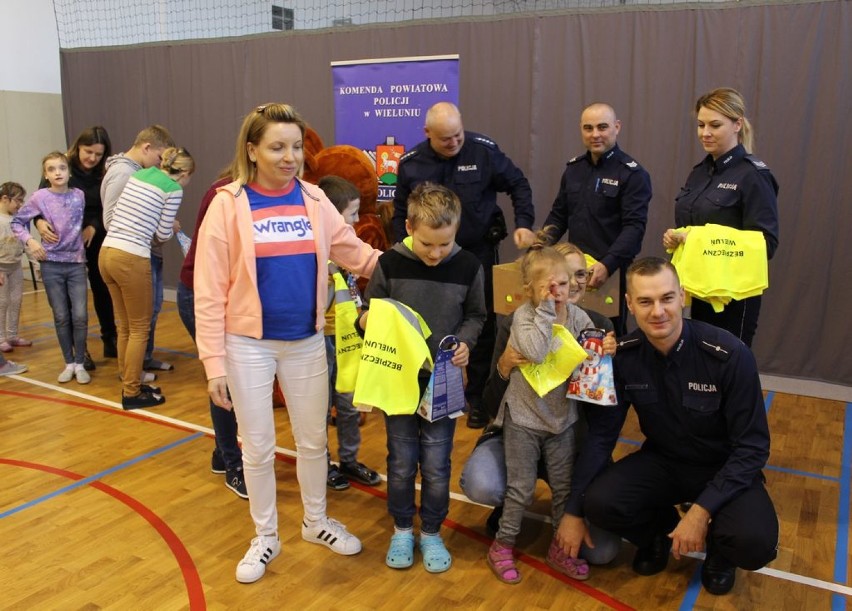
(524, 82)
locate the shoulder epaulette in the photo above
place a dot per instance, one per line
(630, 162)
(574, 159)
(408, 155)
(484, 140)
(718, 349)
(628, 342)
(760, 165)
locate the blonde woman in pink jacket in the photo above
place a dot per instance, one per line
(260, 298)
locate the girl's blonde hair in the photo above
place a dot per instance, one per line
(53, 155)
(567, 248)
(539, 258)
(177, 160)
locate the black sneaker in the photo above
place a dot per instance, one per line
(110, 347)
(88, 363)
(235, 483)
(217, 463)
(336, 480)
(142, 400)
(154, 390)
(360, 473)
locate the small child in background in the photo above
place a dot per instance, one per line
(8, 368)
(11, 251)
(537, 427)
(63, 263)
(431, 274)
(346, 198)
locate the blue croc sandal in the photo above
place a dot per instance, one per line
(436, 558)
(401, 551)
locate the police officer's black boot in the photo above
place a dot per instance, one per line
(477, 418)
(653, 558)
(717, 574)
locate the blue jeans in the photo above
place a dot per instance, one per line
(414, 441)
(224, 421)
(157, 285)
(483, 477)
(348, 418)
(67, 293)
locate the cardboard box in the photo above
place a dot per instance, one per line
(509, 292)
(508, 288)
(605, 299)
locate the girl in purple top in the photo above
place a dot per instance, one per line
(63, 263)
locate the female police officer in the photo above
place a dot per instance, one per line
(729, 187)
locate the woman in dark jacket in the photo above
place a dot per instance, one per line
(729, 187)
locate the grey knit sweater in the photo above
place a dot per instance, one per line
(532, 336)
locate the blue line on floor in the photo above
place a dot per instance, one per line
(87, 480)
(692, 590)
(803, 473)
(767, 402)
(841, 559)
(633, 442)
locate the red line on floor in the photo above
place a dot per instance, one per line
(468, 532)
(194, 589)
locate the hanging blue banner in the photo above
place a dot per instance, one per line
(380, 106)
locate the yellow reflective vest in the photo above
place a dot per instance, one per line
(347, 342)
(717, 263)
(393, 353)
(557, 366)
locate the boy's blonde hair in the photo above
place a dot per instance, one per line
(433, 205)
(155, 135)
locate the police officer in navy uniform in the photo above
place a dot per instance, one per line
(472, 166)
(602, 201)
(696, 392)
(729, 187)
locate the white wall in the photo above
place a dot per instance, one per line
(30, 58)
(31, 120)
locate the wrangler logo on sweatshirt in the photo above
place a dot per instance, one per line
(282, 230)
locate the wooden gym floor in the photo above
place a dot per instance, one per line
(101, 508)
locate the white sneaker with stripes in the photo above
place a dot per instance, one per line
(332, 534)
(264, 548)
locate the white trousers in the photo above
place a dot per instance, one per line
(251, 365)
